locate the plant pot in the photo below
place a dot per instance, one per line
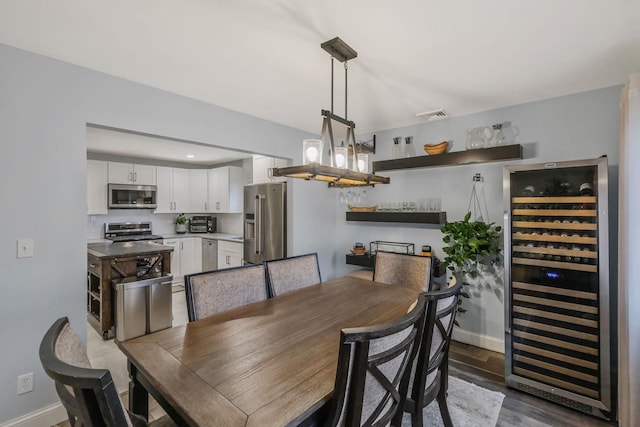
(181, 228)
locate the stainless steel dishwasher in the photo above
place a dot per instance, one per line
(209, 254)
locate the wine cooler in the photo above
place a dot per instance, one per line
(557, 317)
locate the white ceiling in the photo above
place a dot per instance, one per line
(264, 58)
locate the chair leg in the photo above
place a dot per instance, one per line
(444, 409)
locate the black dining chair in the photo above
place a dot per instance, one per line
(429, 379)
(88, 394)
(411, 271)
(373, 366)
(296, 272)
(212, 292)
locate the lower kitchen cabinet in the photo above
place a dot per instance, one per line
(186, 257)
(229, 254)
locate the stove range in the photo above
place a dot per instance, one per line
(130, 232)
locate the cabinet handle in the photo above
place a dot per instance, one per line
(130, 176)
(228, 262)
(135, 176)
(181, 245)
(217, 205)
(206, 208)
(93, 265)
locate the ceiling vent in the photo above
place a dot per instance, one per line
(433, 115)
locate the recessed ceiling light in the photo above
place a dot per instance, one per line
(190, 156)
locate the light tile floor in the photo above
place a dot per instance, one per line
(105, 354)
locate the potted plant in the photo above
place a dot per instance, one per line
(181, 223)
(471, 247)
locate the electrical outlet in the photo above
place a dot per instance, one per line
(25, 383)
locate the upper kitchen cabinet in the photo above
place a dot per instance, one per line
(262, 166)
(198, 190)
(129, 173)
(97, 187)
(173, 190)
(225, 190)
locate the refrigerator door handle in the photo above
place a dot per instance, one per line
(258, 211)
(507, 272)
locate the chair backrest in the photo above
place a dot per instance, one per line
(431, 367)
(213, 292)
(89, 395)
(288, 274)
(373, 365)
(411, 271)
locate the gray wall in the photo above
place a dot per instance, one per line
(44, 109)
(580, 126)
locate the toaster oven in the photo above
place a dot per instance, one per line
(202, 224)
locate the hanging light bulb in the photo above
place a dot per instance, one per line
(363, 163)
(341, 157)
(311, 151)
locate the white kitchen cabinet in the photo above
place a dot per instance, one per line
(173, 190)
(225, 190)
(129, 173)
(97, 192)
(198, 190)
(229, 254)
(262, 166)
(186, 257)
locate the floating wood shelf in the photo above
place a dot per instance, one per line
(406, 217)
(456, 158)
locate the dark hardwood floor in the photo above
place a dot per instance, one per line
(486, 368)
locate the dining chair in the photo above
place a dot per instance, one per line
(411, 271)
(373, 365)
(296, 272)
(88, 394)
(429, 379)
(213, 292)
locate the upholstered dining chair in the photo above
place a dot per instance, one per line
(88, 394)
(296, 272)
(373, 366)
(212, 292)
(429, 379)
(412, 271)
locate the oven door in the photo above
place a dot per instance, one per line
(124, 196)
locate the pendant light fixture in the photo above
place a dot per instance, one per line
(338, 172)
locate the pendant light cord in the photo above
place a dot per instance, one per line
(345, 90)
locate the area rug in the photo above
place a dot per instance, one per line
(469, 405)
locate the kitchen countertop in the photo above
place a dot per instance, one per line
(216, 236)
(113, 250)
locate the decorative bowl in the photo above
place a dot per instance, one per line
(362, 208)
(436, 148)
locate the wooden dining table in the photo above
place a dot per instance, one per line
(270, 363)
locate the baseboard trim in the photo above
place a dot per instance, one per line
(47, 416)
(482, 341)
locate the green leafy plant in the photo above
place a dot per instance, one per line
(180, 219)
(470, 246)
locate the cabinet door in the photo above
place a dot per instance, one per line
(175, 259)
(120, 173)
(188, 255)
(180, 193)
(215, 178)
(225, 189)
(144, 174)
(261, 165)
(229, 254)
(164, 196)
(97, 187)
(198, 194)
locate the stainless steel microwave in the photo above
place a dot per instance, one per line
(126, 196)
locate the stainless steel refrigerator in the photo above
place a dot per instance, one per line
(265, 222)
(557, 320)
